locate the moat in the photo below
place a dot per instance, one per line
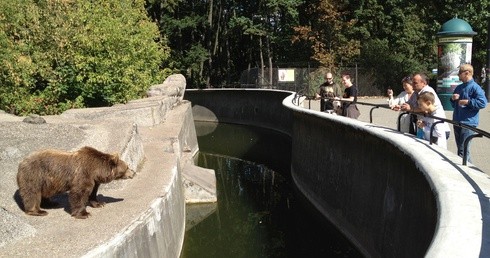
(259, 213)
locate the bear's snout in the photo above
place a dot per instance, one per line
(128, 174)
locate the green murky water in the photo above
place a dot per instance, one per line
(258, 213)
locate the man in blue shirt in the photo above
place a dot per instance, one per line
(467, 100)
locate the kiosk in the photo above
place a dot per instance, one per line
(455, 40)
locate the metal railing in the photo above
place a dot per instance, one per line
(478, 132)
(299, 95)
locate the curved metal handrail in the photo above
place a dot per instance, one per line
(478, 132)
(374, 106)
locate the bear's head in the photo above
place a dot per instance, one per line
(120, 169)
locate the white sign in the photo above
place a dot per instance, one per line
(286, 75)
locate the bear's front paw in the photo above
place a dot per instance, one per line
(96, 204)
(81, 215)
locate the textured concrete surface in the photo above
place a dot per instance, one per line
(461, 192)
(143, 216)
(370, 188)
(480, 150)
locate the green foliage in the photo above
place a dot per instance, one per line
(213, 41)
(476, 13)
(393, 45)
(187, 27)
(399, 37)
(64, 54)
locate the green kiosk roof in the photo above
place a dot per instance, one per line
(456, 27)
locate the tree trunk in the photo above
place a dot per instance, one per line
(269, 56)
(261, 63)
(209, 40)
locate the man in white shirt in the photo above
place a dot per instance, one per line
(420, 85)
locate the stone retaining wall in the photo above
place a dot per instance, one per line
(144, 216)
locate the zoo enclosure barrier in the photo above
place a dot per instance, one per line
(477, 132)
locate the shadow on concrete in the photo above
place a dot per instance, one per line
(18, 200)
(61, 201)
(483, 199)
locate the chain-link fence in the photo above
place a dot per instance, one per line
(306, 80)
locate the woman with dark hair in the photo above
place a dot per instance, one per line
(404, 96)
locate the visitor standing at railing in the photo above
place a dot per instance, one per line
(426, 103)
(403, 97)
(420, 85)
(467, 100)
(349, 98)
(326, 93)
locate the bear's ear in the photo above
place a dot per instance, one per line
(115, 159)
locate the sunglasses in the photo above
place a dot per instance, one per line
(464, 71)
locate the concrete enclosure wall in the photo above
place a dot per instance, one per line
(144, 216)
(251, 107)
(391, 194)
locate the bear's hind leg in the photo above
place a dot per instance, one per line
(32, 205)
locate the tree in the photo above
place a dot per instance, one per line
(186, 24)
(394, 38)
(399, 37)
(394, 41)
(213, 41)
(64, 54)
(327, 27)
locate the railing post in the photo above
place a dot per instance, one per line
(398, 125)
(432, 130)
(371, 114)
(466, 143)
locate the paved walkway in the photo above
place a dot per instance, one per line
(480, 150)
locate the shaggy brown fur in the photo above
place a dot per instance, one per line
(46, 173)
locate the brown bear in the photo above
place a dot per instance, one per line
(46, 173)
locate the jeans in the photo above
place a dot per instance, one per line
(460, 135)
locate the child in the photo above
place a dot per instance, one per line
(426, 104)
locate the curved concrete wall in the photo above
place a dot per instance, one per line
(253, 107)
(391, 194)
(145, 216)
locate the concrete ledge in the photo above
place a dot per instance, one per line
(262, 108)
(159, 230)
(200, 184)
(143, 217)
(144, 112)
